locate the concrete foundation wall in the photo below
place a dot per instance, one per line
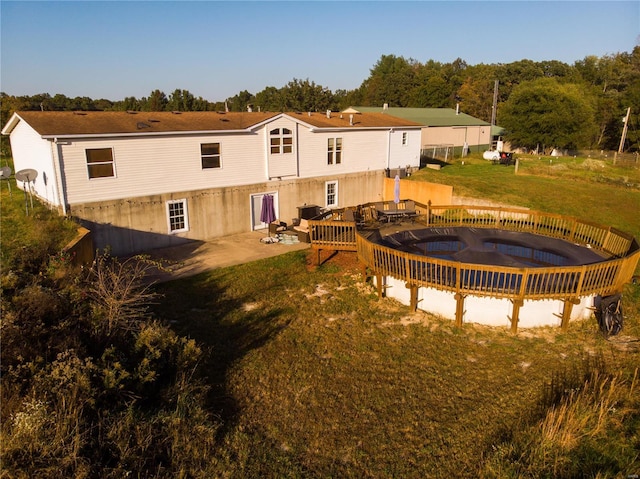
(140, 224)
(81, 248)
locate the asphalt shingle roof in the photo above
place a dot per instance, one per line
(67, 123)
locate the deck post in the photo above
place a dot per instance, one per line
(363, 268)
(379, 284)
(515, 314)
(459, 308)
(566, 312)
(413, 296)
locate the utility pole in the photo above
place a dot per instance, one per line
(495, 103)
(624, 130)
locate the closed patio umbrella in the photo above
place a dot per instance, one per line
(396, 191)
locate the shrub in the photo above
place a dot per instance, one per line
(589, 429)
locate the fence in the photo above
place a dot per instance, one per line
(442, 152)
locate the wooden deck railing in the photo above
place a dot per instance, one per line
(567, 284)
(606, 239)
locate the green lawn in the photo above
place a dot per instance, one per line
(312, 376)
(28, 229)
(588, 189)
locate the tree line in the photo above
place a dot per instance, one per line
(538, 103)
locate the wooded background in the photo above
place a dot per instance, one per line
(579, 106)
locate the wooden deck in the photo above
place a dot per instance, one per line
(564, 283)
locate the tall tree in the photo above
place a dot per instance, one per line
(512, 74)
(303, 95)
(157, 101)
(547, 113)
(477, 97)
(433, 92)
(241, 102)
(130, 103)
(181, 100)
(269, 99)
(390, 81)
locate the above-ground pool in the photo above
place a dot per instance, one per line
(489, 246)
(493, 265)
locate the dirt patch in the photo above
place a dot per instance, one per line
(343, 260)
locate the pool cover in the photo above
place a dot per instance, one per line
(489, 247)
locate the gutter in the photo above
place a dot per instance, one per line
(83, 136)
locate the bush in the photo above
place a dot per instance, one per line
(588, 429)
(93, 385)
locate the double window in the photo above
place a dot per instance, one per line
(100, 162)
(334, 151)
(177, 216)
(331, 193)
(210, 153)
(280, 141)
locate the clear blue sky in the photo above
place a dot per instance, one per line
(217, 49)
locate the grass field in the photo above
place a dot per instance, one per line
(312, 376)
(589, 189)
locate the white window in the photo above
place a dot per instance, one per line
(334, 151)
(177, 216)
(405, 139)
(331, 193)
(210, 154)
(281, 141)
(100, 162)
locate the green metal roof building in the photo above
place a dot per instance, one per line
(445, 129)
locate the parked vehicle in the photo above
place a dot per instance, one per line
(499, 157)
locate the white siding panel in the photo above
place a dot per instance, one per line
(404, 155)
(285, 164)
(31, 151)
(156, 165)
(362, 150)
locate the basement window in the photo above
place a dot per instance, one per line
(331, 193)
(177, 217)
(100, 162)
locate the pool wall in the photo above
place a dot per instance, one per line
(485, 310)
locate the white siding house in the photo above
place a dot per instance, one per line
(141, 180)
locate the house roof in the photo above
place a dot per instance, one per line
(360, 120)
(428, 116)
(69, 123)
(115, 123)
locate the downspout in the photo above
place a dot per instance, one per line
(57, 169)
(389, 149)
